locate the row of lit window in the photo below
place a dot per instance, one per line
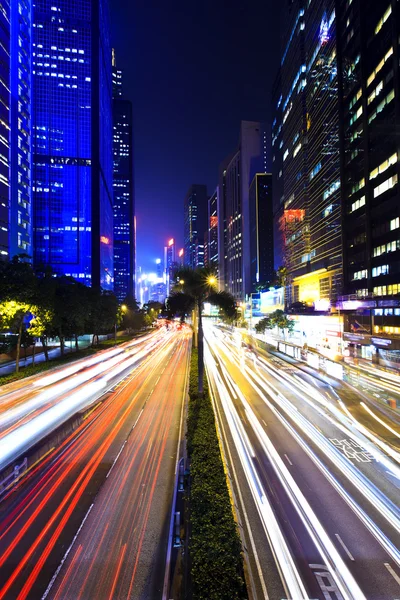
(387, 290)
(358, 204)
(380, 270)
(381, 106)
(389, 247)
(383, 19)
(386, 329)
(379, 66)
(387, 312)
(392, 160)
(385, 186)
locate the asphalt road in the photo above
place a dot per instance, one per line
(363, 561)
(91, 519)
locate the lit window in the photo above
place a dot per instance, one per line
(383, 20)
(385, 186)
(381, 270)
(379, 66)
(358, 204)
(392, 160)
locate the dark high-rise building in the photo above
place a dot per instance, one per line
(306, 148)
(123, 187)
(212, 233)
(261, 230)
(368, 58)
(277, 174)
(72, 140)
(235, 176)
(5, 101)
(195, 225)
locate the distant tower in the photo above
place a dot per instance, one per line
(195, 225)
(123, 190)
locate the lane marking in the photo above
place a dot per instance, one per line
(116, 458)
(65, 555)
(288, 459)
(167, 569)
(264, 423)
(345, 548)
(392, 572)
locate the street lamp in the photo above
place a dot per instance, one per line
(212, 280)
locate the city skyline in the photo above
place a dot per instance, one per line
(173, 130)
(215, 411)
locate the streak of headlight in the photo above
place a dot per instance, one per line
(290, 576)
(374, 416)
(28, 434)
(386, 508)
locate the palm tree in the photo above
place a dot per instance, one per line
(193, 288)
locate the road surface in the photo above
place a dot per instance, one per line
(91, 519)
(333, 532)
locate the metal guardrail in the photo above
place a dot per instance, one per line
(15, 473)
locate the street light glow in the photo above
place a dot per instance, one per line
(211, 280)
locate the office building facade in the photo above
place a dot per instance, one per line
(195, 225)
(261, 231)
(212, 232)
(20, 230)
(170, 264)
(5, 101)
(368, 60)
(72, 140)
(306, 149)
(15, 128)
(235, 176)
(123, 191)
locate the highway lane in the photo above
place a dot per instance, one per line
(120, 552)
(341, 415)
(31, 411)
(370, 567)
(41, 515)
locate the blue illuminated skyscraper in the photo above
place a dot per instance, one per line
(72, 139)
(124, 207)
(4, 125)
(20, 231)
(15, 127)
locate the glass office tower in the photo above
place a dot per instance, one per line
(20, 234)
(5, 34)
(195, 224)
(72, 139)
(124, 208)
(306, 154)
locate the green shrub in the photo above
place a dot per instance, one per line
(215, 547)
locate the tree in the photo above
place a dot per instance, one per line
(103, 307)
(264, 324)
(193, 288)
(17, 292)
(282, 322)
(282, 276)
(133, 317)
(70, 309)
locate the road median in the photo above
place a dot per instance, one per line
(216, 561)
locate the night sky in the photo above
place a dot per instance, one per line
(193, 70)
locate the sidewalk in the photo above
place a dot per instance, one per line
(9, 367)
(373, 379)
